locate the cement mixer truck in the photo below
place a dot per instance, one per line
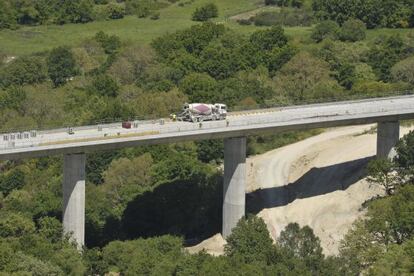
(198, 112)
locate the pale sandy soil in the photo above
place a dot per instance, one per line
(317, 182)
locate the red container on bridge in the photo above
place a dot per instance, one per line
(126, 124)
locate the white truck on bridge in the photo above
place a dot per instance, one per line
(198, 112)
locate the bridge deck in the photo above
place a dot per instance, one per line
(113, 136)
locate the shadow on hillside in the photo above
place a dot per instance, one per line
(189, 208)
(317, 181)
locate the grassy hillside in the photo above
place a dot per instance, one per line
(131, 28)
(136, 30)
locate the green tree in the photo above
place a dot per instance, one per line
(115, 11)
(404, 71)
(325, 29)
(250, 241)
(268, 39)
(11, 181)
(61, 65)
(75, 11)
(385, 54)
(104, 85)
(302, 243)
(405, 157)
(352, 30)
(298, 79)
(24, 70)
(50, 228)
(199, 87)
(359, 249)
(381, 171)
(210, 150)
(8, 18)
(205, 12)
(110, 44)
(15, 225)
(220, 62)
(13, 98)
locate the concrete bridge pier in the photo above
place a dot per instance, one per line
(388, 135)
(234, 187)
(74, 197)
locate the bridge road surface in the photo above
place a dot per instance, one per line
(238, 124)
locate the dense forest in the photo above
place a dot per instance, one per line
(145, 204)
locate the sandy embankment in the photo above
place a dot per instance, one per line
(316, 182)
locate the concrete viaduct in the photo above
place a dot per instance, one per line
(74, 146)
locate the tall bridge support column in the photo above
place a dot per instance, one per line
(234, 188)
(388, 135)
(74, 197)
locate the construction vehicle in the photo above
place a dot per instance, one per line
(198, 112)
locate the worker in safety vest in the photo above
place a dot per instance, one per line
(174, 117)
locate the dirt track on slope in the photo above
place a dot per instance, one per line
(317, 182)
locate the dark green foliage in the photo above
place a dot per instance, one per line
(50, 228)
(105, 86)
(74, 11)
(346, 75)
(220, 62)
(405, 157)
(110, 44)
(380, 171)
(198, 87)
(386, 52)
(285, 3)
(285, 17)
(303, 244)
(15, 225)
(24, 70)
(210, 150)
(7, 16)
(268, 39)
(192, 40)
(12, 98)
(325, 29)
(11, 181)
(374, 13)
(115, 11)
(205, 12)
(155, 256)
(97, 163)
(61, 65)
(250, 241)
(352, 30)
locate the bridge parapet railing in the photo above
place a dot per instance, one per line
(116, 122)
(151, 128)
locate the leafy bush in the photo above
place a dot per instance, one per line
(105, 86)
(352, 30)
(110, 44)
(115, 11)
(286, 17)
(24, 70)
(250, 240)
(61, 65)
(386, 52)
(404, 71)
(205, 12)
(374, 13)
(285, 3)
(325, 29)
